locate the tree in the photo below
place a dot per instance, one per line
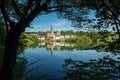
(107, 14)
(2, 41)
(17, 15)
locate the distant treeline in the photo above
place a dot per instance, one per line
(44, 33)
(82, 40)
(88, 40)
(95, 40)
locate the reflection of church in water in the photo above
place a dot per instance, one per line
(52, 46)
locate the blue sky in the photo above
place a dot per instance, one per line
(44, 23)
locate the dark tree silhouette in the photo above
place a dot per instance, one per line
(105, 68)
(107, 14)
(18, 14)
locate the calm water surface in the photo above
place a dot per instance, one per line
(48, 61)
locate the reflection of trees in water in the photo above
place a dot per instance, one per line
(63, 46)
(104, 68)
(84, 44)
(20, 68)
(21, 71)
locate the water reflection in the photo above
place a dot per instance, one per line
(56, 46)
(43, 66)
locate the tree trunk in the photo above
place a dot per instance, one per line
(11, 46)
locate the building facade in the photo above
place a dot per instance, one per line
(53, 35)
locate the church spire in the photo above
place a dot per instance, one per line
(52, 30)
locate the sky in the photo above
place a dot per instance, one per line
(44, 23)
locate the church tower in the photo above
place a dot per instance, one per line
(52, 30)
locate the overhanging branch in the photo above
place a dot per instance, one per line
(28, 7)
(37, 3)
(17, 10)
(110, 10)
(66, 6)
(5, 15)
(24, 23)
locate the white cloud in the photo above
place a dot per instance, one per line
(61, 23)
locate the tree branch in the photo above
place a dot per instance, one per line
(28, 7)
(117, 27)
(5, 15)
(17, 10)
(52, 10)
(24, 23)
(37, 3)
(66, 6)
(110, 10)
(2, 3)
(46, 3)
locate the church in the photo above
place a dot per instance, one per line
(53, 35)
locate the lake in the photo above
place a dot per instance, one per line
(45, 61)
